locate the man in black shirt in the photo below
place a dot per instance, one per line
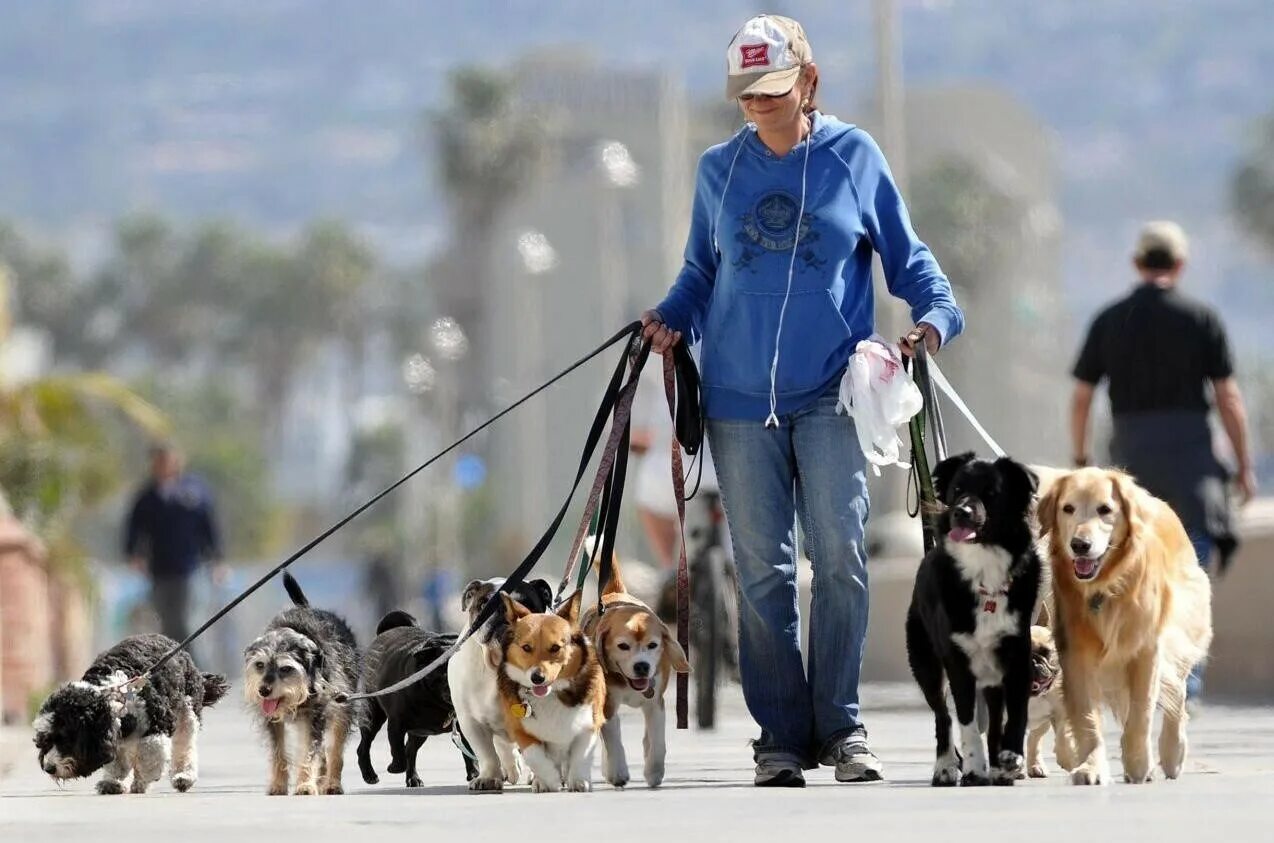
(1166, 359)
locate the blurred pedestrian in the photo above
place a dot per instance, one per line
(777, 283)
(1166, 360)
(170, 534)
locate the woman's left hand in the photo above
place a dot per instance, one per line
(907, 343)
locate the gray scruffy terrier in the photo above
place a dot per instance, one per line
(99, 724)
(292, 675)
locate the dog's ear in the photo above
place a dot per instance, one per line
(1019, 481)
(676, 655)
(466, 596)
(513, 610)
(1046, 506)
(1132, 503)
(543, 591)
(569, 612)
(945, 471)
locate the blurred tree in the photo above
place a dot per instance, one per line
(970, 224)
(62, 452)
(486, 151)
(1252, 186)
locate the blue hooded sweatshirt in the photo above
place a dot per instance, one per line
(744, 241)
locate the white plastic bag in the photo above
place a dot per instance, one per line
(877, 393)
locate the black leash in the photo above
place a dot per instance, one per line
(617, 398)
(926, 497)
(629, 334)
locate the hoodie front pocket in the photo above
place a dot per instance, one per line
(739, 342)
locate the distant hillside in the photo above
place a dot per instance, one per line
(276, 111)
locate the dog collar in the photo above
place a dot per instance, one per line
(520, 710)
(991, 597)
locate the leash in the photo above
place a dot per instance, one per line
(628, 334)
(618, 394)
(683, 570)
(930, 379)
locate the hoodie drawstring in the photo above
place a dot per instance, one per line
(716, 221)
(772, 421)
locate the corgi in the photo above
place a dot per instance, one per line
(639, 655)
(553, 693)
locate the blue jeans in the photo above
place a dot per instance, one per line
(811, 466)
(1202, 543)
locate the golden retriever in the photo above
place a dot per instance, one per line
(1133, 616)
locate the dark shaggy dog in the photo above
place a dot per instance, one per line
(970, 618)
(414, 713)
(292, 675)
(96, 723)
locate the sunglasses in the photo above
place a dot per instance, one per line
(751, 97)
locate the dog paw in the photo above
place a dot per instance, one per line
(110, 788)
(1087, 775)
(483, 785)
(414, 781)
(539, 785)
(396, 768)
(654, 776)
(580, 786)
(183, 782)
(1145, 778)
(138, 786)
(617, 781)
(974, 779)
(1008, 768)
(305, 790)
(946, 773)
(1038, 770)
(370, 777)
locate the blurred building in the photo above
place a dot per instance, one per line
(1012, 363)
(594, 241)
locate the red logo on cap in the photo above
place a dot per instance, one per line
(754, 55)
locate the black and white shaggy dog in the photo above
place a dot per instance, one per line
(292, 676)
(98, 724)
(414, 713)
(969, 623)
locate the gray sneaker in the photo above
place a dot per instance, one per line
(779, 772)
(853, 759)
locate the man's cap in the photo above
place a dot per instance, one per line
(1162, 236)
(766, 57)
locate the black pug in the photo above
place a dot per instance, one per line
(969, 623)
(414, 713)
(294, 673)
(97, 724)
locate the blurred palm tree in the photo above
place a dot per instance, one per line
(62, 448)
(487, 151)
(1252, 186)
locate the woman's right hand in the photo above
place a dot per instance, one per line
(653, 328)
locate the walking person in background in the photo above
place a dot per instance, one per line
(777, 285)
(171, 532)
(1166, 359)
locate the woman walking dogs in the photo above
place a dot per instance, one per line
(777, 285)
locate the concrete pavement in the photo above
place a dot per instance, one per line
(1224, 794)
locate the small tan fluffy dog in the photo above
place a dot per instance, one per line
(1133, 616)
(554, 694)
(639, 654)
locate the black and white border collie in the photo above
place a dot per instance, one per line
(969, 624)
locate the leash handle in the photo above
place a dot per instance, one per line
(683, 570)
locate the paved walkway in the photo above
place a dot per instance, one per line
(708, 796)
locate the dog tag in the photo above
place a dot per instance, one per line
(520, 710)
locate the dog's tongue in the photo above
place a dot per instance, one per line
(638, 684)
(1085, 567)
(960, 535)
(540, 690)
(269, 707)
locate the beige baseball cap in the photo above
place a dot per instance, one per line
(766, 57)
(1164, 236)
